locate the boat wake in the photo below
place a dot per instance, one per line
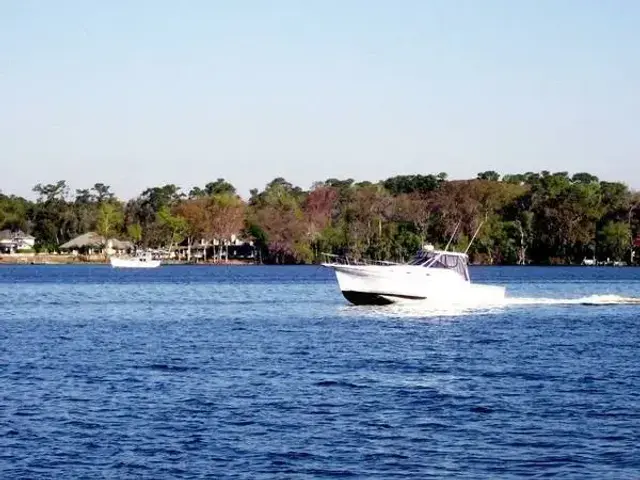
(594, 300)
(427, 308)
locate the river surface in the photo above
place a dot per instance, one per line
(267, 373)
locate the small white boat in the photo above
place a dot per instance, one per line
(137, 261)
(436, 275)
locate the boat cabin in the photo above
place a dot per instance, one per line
(431, 258)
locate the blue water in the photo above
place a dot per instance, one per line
(266, 372)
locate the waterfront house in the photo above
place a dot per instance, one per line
(15, 241)
(201, 250)
(241, 249)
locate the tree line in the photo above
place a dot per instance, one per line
(539, 218)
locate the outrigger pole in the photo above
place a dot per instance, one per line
(474, 236)
(452, 235)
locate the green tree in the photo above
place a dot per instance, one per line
(15, 213)
(614, 240)
(110, 220)
(174, 227)
(517, 178)
(584, 177)
(278, 212)
(52, 192)
(134, 232)
(489, 175)
(413, 183)
(565, 217)
(53, 217)
(260, 239)
(102, 193)
(220, 186)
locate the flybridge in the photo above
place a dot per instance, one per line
(428, 257)
(428, 252)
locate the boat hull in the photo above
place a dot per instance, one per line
(132, 263)
(368, 298)
(385, 285)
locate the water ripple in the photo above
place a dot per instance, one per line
(265, 373)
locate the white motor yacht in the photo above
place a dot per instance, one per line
(437, 275)
(137, 261)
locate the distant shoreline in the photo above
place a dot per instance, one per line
(49, 259)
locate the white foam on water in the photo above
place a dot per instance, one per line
(589, 300)
(422, 309)
(430, 308)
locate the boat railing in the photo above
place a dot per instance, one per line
(349, 260)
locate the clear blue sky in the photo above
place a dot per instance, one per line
(140, 93)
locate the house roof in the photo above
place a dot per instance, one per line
(10, 235)
(93, 240)
(121, 244)
(90, 239)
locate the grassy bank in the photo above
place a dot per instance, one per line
(49, 259)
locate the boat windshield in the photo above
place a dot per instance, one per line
(438, 259)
